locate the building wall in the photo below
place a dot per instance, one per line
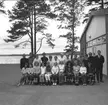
(96, 28)
(96, 38)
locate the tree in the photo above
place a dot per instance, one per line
(96, 5)
(1, 7)
(69, 13)
(29, 18)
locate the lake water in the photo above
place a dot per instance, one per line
(12, 59)
(15, 59)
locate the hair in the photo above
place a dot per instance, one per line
(50, 56)
(90, 53)
(82, 64)
(55, 63)
(43, 53)
(55, 57)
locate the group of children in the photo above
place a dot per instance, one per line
(57, 72)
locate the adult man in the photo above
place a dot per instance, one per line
(30, 59)
(99, 66)
(90, 58)
(44, 59)
(62, 58)
(50, 61)
(92, 62)
(23, 61)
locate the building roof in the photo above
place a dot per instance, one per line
(94, 13)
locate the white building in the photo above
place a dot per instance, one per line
(95, 36)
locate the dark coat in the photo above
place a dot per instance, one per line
(44, 60)
(68, 69)
(92, 60)
(99, 61)
(23, 62)
(48, 68)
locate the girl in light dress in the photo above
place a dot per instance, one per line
(83, 72)
(42, 74)
(55, 71)
(61, 72)
(36, 73)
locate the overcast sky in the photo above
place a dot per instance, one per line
(8, 48)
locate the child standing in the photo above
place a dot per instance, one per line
(61, 72)
(48, 74)
(69, 72)
(76, 69)
(42, 74)
(50, 61)
(55, 71)
(37, 71)
(24, 76)
(83, 72)
(91, 74)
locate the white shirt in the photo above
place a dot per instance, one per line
(28, 70)
(43, 70)
(37, 69)
(32, 70)
(55, 70)
(23, 71)
(61, 67)
(51, 63)
(76, 68)
(36, 60)
(83, 70)
(62, 60)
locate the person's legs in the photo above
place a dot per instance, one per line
(46, 79)
(101, 74)
(49, 76)
(54, 79)
(43, 80)
(84, 79)
(97, 74)
(60, 78)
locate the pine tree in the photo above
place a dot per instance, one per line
(29, 18)
(69, 13)
(2, 6)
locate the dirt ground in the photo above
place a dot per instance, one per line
(47, 95)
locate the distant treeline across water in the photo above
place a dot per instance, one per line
(9, 59)
(15, 59)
